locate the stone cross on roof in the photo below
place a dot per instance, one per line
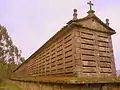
(90, 3)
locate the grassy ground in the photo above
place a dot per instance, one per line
(9, 86)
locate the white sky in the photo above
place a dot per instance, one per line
(31, 23)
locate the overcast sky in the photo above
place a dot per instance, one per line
(31, 23)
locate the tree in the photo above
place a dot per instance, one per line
(10, 56)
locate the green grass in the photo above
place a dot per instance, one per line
(10, 86)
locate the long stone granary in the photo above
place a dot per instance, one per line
(82, 48)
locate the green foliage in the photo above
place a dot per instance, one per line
(10, 56)
(8, 86)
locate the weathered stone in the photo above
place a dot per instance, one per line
(83, 43)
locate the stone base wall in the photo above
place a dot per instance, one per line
(49, 86)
